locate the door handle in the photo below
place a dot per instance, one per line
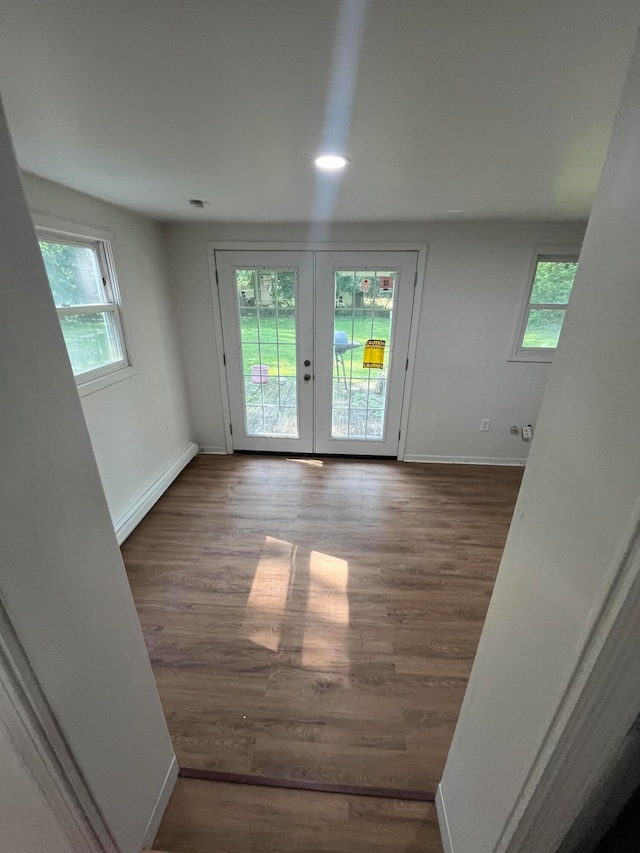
(307, 363)
(307, 377)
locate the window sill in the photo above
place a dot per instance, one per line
(101, 382)
(534, 357)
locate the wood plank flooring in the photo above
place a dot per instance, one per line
(203, 817)
(317, 619)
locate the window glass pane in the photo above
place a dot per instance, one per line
(543, 327)
(74, 274)
(553, 281)
(267, 307)
(92, 340)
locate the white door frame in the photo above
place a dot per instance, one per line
(41, 745)
(600, 704)
(420, 248)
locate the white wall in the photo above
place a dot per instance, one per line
(130, 421)
(476, 280)
(62, 581)
(571, 520)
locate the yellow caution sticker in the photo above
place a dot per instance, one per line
(374, 353)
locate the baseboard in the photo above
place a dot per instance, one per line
(443, 823)
(465, 460)
(206, 449)
(161, 804)
(134, 515)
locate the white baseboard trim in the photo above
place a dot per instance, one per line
(465, 460)
(443, 823)
(161, 804)
(207, 449)
(134, 515)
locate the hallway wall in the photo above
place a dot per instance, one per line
(572, 524)
(63, 587)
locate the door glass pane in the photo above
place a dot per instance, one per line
(364, 301)
(543, 327)
(267, 309)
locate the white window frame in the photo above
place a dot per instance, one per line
(563, 254)
(100, 241)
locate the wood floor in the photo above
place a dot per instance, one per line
(203, 817)
(317, 619)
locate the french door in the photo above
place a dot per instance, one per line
(316, 347)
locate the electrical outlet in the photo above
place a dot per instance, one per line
(527, 432)
(485, 425)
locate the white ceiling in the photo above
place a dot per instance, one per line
(498, 108)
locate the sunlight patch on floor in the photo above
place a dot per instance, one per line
(328, 580)
(267, 602)
(327, 617)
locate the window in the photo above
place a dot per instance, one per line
(546, 305)
(82, 280)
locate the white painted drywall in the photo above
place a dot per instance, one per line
(27, 821)
(577, 498)
(139, 425)
(477, 275)
(62, 580)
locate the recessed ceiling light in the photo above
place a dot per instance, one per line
(331, 162)
(455, 211)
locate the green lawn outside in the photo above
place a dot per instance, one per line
(543, 328)
(268, 354)
(90, 342)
